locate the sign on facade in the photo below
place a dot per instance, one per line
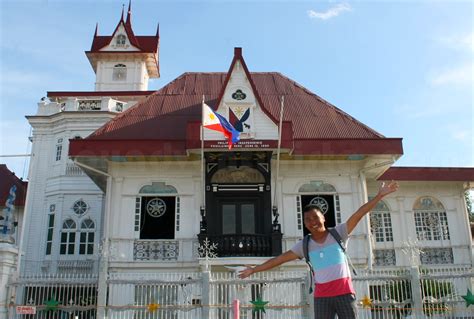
(25, 310)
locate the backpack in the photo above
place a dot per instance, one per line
(338, 239)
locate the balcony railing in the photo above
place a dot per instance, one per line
(240, 245)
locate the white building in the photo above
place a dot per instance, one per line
(118, 187)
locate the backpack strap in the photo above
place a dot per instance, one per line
(308, 261)
(338, 238)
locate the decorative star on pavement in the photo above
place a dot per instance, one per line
(153, 307)
(51, 304)
(258, 305)
(469, 297)
(366, 302)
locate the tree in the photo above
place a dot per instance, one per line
(470, 211)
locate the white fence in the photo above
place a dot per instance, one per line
(392, 293)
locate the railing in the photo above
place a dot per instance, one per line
(240, 245)
(46, 267)
(165, 250)
(56, 296)
(392, 293)
(89, 105)
(414, 293)
(73, 170)
(286, 294)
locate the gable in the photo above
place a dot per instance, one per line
(120, 41)
(241, 107)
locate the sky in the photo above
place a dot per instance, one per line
(404, 68)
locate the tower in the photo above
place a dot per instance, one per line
(124, 61)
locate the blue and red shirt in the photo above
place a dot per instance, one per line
(332, 275)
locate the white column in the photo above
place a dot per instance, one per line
(8, 260)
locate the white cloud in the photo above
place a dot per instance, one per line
(461, 135)
(457, 76)
(331, 12)
(459, 42)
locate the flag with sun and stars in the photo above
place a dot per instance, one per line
(217, 122)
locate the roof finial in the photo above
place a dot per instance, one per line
(123, 10)
(129, 12)
(238, 52)
(158, 30)
(96, 29)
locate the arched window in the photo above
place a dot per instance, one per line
(431, 222)
(324, 196)
(381, 223)
(121, 40)
(120, 72)
(86, 242)
(68, 237)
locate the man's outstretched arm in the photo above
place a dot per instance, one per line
(384, 190)
(269, 264)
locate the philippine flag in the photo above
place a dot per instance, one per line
(217, 122)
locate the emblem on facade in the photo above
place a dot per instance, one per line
(156, 207)
(239, 116)
(321, 203)
(239, 95)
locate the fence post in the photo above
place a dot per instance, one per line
(416, 292)
(206, 278)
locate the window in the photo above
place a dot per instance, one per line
(381, 223)
(119, 72)
(121, 39)
(431, 221)
(49, 235)
(86, 242)
(385, 257)
(80, 207)
(59, 149)
(68, 237)
(436, 256)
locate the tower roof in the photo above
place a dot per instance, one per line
(138, 45)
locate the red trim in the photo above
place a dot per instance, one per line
(104, 148)
(348, 146)
(99, 93)
(238, 57)
(442, 174)
(101, 148)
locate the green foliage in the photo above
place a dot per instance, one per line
(470, 208)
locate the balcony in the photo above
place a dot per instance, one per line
(245, 245)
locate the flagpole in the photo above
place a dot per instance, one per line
(203, 165)
(275, 203)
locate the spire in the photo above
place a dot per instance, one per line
(123, 12)
(158, 30)
(129, 13)
(96, 29)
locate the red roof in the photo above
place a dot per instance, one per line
(442, 174)
(317, 127)
(146, 44)
(7, 180)
(167, 122)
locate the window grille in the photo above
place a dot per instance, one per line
(59, 149)
(86, 241)
(68, 237)
(120, 72)
(381, 223)
(299, 218)
(121, 39)
(431, 221)
(49, 235)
